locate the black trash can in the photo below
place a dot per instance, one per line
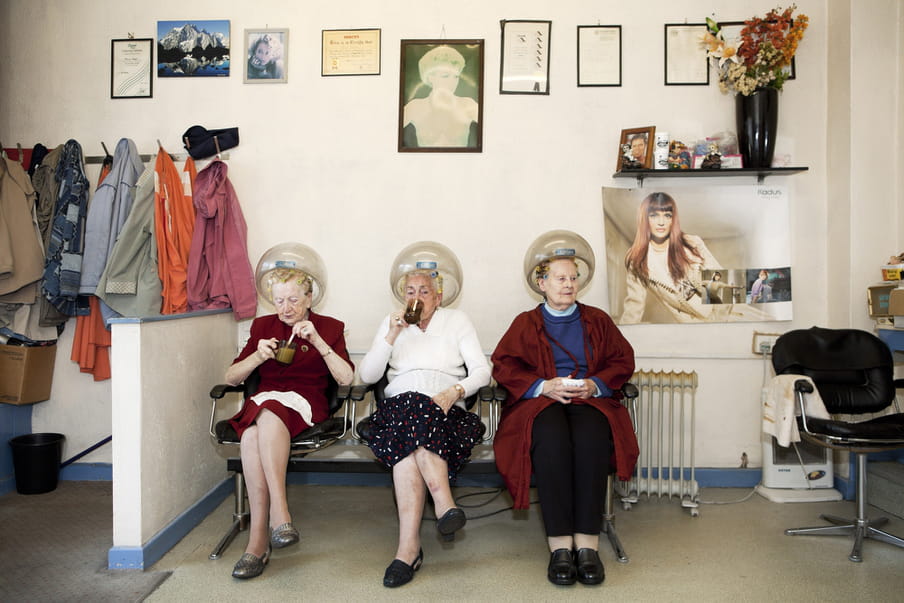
(36, 459)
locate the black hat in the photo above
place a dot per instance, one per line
(201, 142)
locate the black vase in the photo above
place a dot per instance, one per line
(757, 117)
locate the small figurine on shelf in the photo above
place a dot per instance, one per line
(713, 159)
(628, 160)
(679, 157)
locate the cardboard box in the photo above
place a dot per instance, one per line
(877, 298)
(896, 301)
(26, 373)
(893, 272)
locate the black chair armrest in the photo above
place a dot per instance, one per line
(487, 393)
(803, 386)
(629, 390)
(220, 390)
(359, 391)
(899, 383)
(343, 392)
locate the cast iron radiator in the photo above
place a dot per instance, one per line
(663, 416)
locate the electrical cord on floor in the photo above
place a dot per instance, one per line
(729, 502)
(493, 493)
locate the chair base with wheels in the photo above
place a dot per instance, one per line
(314, 438)
(861, 527)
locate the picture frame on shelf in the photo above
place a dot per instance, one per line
(635, 149)
(131, 68)
(350, 52)
(599, 55)
(446, 74)
(685, 61)
(266, 56)
(524, 61)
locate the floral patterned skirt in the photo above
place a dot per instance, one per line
(409, 421)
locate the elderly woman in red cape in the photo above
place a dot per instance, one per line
(562, 364)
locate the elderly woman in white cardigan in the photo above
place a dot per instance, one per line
(422, 430)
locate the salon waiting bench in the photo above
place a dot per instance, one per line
(343, 406)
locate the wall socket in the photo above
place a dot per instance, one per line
(764, 342)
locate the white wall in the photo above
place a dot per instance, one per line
(165, 463)
(318, 163)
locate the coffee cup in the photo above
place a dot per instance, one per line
(285, 352)
(413, 312)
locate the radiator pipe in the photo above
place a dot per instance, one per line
(86, 451)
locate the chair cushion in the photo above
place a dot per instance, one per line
(888, 427)
(332, 427)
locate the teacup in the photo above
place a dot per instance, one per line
(413, 312)
(285, 352)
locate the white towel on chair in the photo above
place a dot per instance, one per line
(293, 400)
(780, 408)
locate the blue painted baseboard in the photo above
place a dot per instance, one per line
(128, 557)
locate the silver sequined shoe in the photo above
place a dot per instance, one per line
(250, 566)
(283, 535)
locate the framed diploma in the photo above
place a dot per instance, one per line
(525, 57)
(599, 55)
(685, 60)
(350, 52)
(131, 63)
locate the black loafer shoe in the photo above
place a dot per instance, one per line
(283, 535)
(452, 520)
(250, 566)
(589, 567)
(399, 572)
(561, 568)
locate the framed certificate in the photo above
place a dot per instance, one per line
(525, 57)
(131, 62)
(685, 60)
(350, 52)
(599, 55)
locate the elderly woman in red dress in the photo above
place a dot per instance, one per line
(291, 399)
(562, 363)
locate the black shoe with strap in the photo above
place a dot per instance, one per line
(399, 572)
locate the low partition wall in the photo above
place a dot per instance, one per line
(163, 460)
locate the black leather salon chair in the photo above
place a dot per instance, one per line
(853, 372)
(315, 438)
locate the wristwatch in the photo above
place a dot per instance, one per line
(461, 390)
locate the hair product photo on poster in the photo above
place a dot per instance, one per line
(698, 254)
(266, 55)
(441, 96)
(193, 48)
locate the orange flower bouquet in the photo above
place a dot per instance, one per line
(762, 57)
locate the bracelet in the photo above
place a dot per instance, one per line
(461, 391)
(330, 351)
